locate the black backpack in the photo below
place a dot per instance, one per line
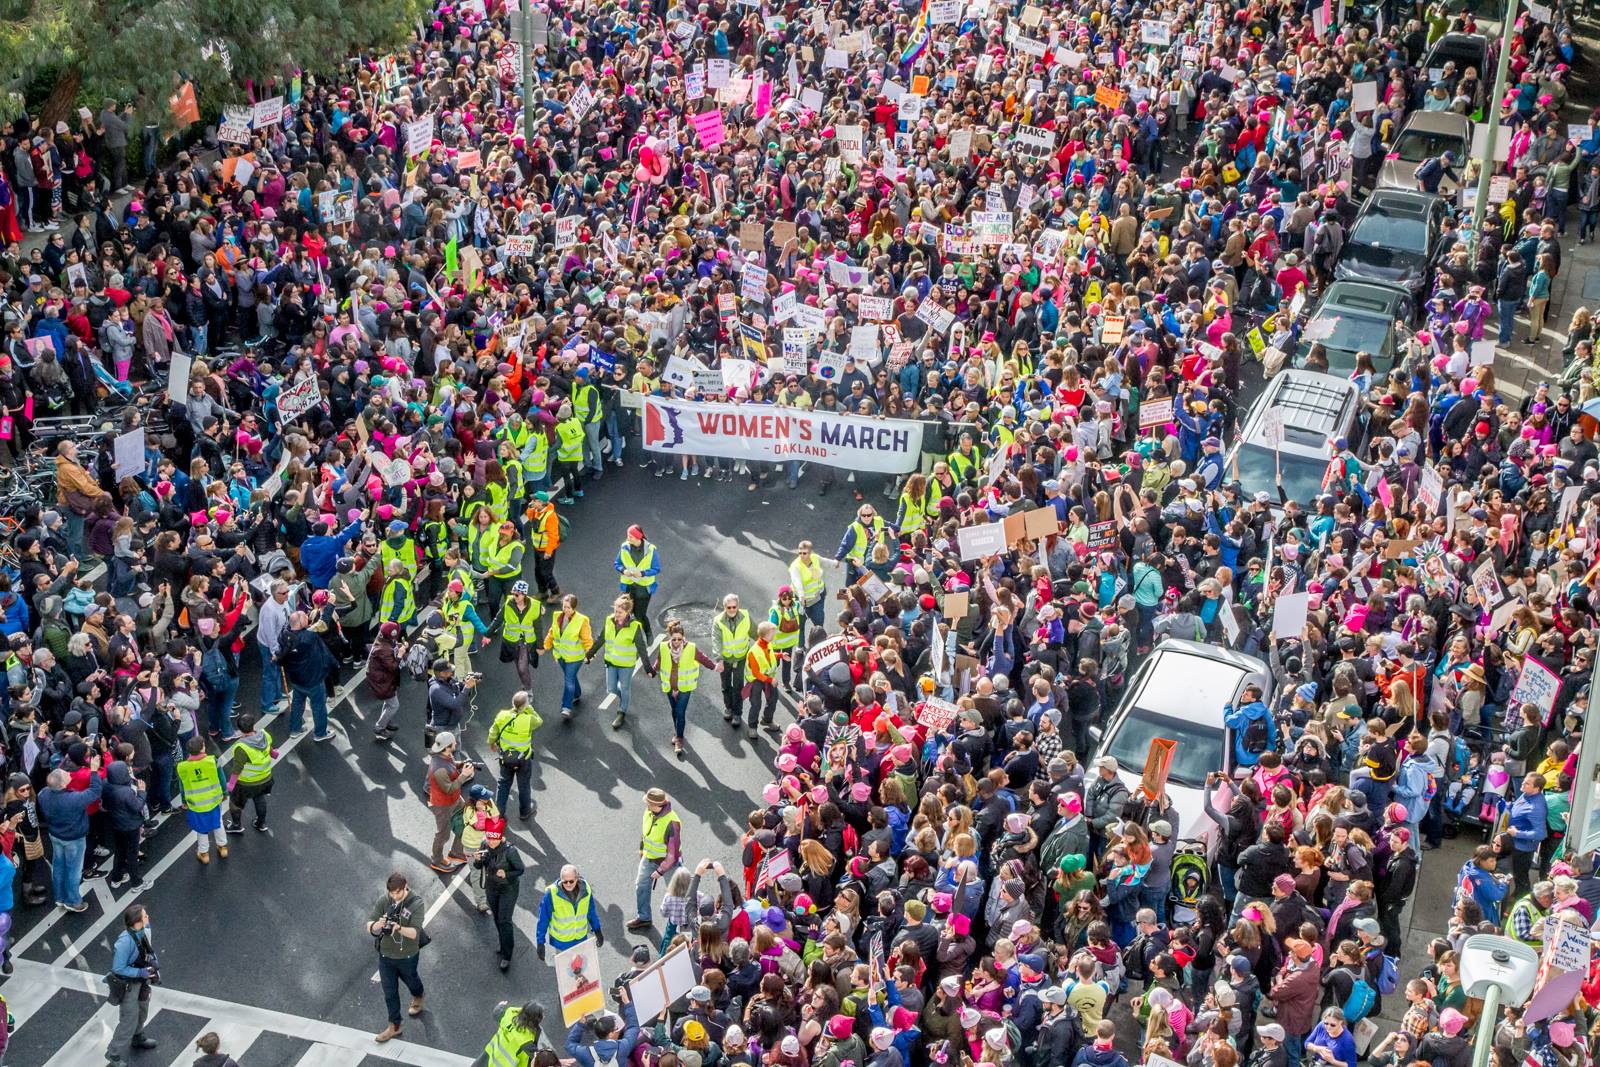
(1256, 736)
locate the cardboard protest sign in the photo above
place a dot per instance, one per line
(578, 981)
(936, 714)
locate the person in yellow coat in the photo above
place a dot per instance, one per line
(570, 638)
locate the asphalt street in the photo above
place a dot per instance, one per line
(275, 932)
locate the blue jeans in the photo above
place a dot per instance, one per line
(619, 680)
(1555, 209)
(1507, 310)
(613, 426)
(1226, 875)
(219, 706)
(642, 886)
(318, 695)
(66, 869)
(390, 974)
(74, 530)
(679, 703)
(1294, 1047)
(571, 691)
(591, 437)
(271, 679)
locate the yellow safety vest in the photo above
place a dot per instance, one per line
(781, 641)
(518, 435)
(688, 669)
(858, 551)
(503, 561)
(521, 630)
(621, 649)
(571, 448)
(641, 564)
(654, 835)
(202, 786)
(455, 614)
(585, 401)
(914, 514)
(735, 638)
(497, 500)
(568, 641)
(513, 730)
(569, 920)
(406, 554)
(812, 583)
(538, 457)
(963, 466)
(398, 591)
(505, 1048)
(258, 765)
(514, 479)
(537, 534)
(765, 659)
(435, 539)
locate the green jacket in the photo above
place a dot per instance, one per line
(349, 593)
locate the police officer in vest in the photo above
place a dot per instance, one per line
(639, 563)
(503, 561)
(201, 784)
(731, 634)
(858, 541)
(511, 738)
(249, 773)
(660, 851)
(567, 914)
(516, 1036)
(519, 632)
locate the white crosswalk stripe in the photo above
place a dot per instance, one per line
(238, 1024)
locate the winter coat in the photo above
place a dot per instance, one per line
(1296, 993)
(383, 669)
(123, 802)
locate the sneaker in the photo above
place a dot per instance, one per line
(577, 492)
(661, 473)
(393, 727)
(116, 883)
(77, 909)
(229, 739)
(618, 462)
(683, 476)
(137, 886)
(616, 724)
(237, 828)
(261, 825)
(505, 965)
(566, 714)
(446, 868)
(564, 500)
(384, 737)
(323, 737)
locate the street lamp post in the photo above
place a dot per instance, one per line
(1480, 203)
(526, 18)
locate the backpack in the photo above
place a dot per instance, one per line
(1256, 736)
(563, 526)
(1458, 760)
(1359, 1002)
(1388, 973)
(214, 666)
(1189, 876)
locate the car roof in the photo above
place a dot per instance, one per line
(1438, 122)
(1192, 681)
(1399, 202)
(1315, 408)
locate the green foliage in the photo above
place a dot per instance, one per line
(139, 50)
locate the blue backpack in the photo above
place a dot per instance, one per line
(1388, 972)
(1359, 1002)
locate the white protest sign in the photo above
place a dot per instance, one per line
(1537, 685)
(567, 231)
(129, 452)
(977, 542)
(826, 653)
(1289, 615)
(678, 372)
(1364, 97)
(299, 398)
(267, 112)
(661, 984)
(235, 125)
(419, 137)
(1153, 31)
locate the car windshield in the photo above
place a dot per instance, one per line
(1198, 753)
(1416, 145)
(1302, 477)
(1352, 334)
(1381, 234)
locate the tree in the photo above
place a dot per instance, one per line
(141, 50)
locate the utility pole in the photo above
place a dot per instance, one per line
(1491, 109)
(526, 20)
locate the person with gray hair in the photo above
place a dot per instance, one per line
(271, 625)
(66, 817)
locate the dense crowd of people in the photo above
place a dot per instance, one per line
(377, 344)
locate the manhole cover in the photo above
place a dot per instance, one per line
(695, 616)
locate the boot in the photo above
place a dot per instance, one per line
(416, 1006)
(222, 850)
(616, 724)
(390, 1032)
(203, 857)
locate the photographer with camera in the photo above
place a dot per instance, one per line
(447, 775)
(502, 879)
(396, 927)
(133, 972)
(511, 738)
(449, 700)
(614, 1038)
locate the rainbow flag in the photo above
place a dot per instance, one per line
(919, 39)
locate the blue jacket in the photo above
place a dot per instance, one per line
(66, 814)
(1412, 784)
(547, 912)
(123, 804)
(1486, 890)
(649, 572)
(1528, 821)
(319, 555)
(1238, 720)
(8, 877)
(125, 953)
(610, 1051)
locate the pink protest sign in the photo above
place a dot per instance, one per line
(763, 98)
(708, 126)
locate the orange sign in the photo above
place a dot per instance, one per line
(1156, 765)
(1108, 97)
(185, 109)
(919, 85)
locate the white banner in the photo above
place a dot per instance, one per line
(775, 435)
